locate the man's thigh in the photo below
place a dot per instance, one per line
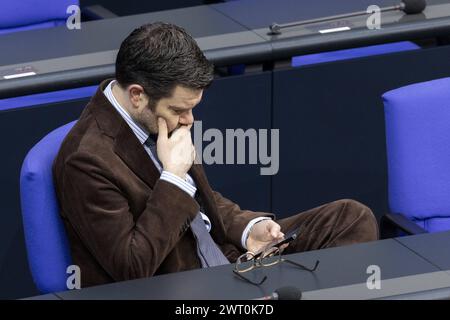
(336, 223)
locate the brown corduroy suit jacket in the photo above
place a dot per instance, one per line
(121, 220)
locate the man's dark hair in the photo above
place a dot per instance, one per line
(159, 56)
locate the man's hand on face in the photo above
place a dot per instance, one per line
(176, 153)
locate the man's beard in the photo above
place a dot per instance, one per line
(149, 125)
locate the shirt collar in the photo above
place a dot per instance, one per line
(140, 133)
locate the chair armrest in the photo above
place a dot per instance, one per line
(394, 221)
(97, 12)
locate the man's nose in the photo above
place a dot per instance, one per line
(187, 118)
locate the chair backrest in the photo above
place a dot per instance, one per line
(33, 14)
(418, 152)
(46, 241)
(347, 54)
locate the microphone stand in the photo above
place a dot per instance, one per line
(275, 28)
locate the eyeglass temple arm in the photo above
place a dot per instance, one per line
(302, 266)
(248, 280)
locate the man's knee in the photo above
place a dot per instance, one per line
(355, 207)
(361, 215)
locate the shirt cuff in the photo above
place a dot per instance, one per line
(180, 183)
(247, 230)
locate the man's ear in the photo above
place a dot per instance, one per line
(136, 93)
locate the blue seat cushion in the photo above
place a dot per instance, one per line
(435, 224)
(48, 97)
(346, 54)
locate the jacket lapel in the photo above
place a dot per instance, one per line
(132, 152)
(126, 145)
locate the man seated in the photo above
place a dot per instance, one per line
(133, 201)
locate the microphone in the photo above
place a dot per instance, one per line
(407, 6)
(284, 293)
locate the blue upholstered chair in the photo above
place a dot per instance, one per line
(346, 54)
(340, 55)
(47, 98)
(33, 14)
(418, 152)
(45, 237)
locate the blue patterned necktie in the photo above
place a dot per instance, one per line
(207, 250)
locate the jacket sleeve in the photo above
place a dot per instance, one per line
(235, 219)
(100, 215)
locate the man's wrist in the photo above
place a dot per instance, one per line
(247, 230)
(178, 173)
(181, 183)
